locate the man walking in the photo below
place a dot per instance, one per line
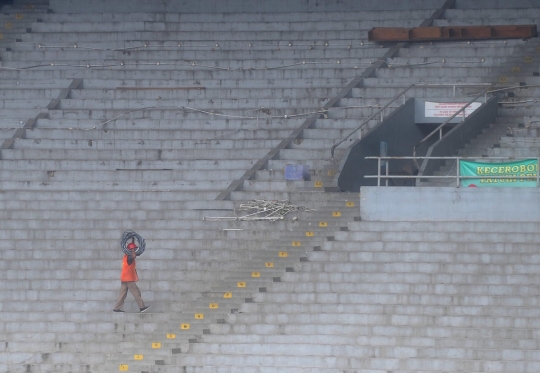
(129, 279)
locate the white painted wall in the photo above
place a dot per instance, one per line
(449, 204)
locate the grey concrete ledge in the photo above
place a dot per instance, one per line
(450, 204)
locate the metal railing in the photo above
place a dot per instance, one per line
(439, 129)
(457, 175)
(402, 93)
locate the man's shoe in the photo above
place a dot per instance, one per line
(117, 311)
(144, 309)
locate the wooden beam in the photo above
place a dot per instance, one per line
(396, 34)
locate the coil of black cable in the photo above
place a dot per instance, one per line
(139, 241)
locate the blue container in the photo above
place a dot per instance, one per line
(296, 172)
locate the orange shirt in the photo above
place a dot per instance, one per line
(129, 271)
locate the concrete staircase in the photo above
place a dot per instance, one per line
(392, 296)
(141, 121)
(509, 65)
(148, 145)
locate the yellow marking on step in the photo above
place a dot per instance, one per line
(19, 16)
(336, 214)
(156, 344)
(255, 274)
(269, 265)
(1, 36)
(283, 254)
(123, 367)
(296, 243)
(331, 172)
(241, 284)
(516, 69)
(318, 184)
(227, 295)
(503, 79)
(8, 25)
(323, 224)
(310, 234)
(214, 306)
(185, 326)
(199, 316)
(349, 204)
(138, 357)
(527, 59)
(171, 336)
(29, 6)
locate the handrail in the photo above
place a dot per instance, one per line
(439, 128)
(454, 85)
(367, 120)
(457, 176)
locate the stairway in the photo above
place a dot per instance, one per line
(407, 296)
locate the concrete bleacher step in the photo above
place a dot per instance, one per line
(120, 176)
(186, 61)
(16, 104)
(209, 27)
(496, 13)
(420, 91)
(211, 136)
(166, 52)
(106, 145)
(133, 122)
(451, 61)
(232, 105)
(454, 73)
(204, 46)
(20, 94)
(169, 72)
(129, 154)
(514, 153)
(439, 236)
(203, 84)
(471, 48)
(507, 20)
(66, 166)
(175, 94)
(115, 185)
(232, 17)
(191, 36)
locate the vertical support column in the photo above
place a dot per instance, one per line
(458, 181)
(537, 173)
(387, 172)
(379, 171)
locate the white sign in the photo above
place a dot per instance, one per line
(447, 109)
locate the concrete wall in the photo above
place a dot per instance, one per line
(450, 204)
(236, 6)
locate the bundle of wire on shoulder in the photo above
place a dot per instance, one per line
(131, 236)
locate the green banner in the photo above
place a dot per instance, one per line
(490, 174)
